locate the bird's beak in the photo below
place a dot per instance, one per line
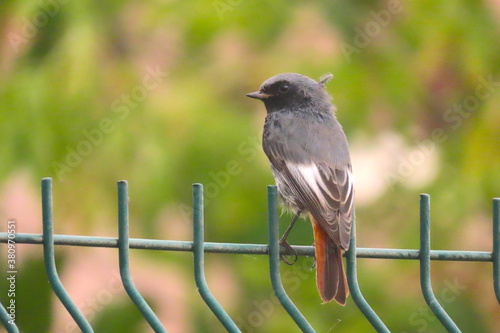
(258, 95)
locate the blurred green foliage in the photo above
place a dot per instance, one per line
(78, 103)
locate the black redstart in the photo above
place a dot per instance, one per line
(311, 165)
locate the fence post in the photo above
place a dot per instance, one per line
(11, 327)
(425, 266)
(496, 247)
(199, 262)
(274, 263)
(123, 254)
(352, 280)
(50, 261)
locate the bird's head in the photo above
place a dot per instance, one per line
(291, 91)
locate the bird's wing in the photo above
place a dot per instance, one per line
(328, 194)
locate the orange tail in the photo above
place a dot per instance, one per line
(330, 275)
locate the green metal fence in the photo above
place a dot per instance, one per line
(272, 250)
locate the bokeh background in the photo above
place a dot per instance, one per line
(153, 92)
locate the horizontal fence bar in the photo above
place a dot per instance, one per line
(239, 248)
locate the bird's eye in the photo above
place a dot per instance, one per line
(284, 88)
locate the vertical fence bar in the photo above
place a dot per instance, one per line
(425, 266)
(274, 262)
(496, 247)
(199, 262)
(352, 280)
(50, 262)
(123, 253)
(11, 327)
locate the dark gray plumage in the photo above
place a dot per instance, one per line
(309, 157)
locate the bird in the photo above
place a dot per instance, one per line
(310, 161)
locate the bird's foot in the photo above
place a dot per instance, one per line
(313, 266)
(283, 257)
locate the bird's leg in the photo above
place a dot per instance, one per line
(287, 231)
(285, 243)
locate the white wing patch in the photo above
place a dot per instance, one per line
(311, 176)
(317, 183)
(349, 186)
